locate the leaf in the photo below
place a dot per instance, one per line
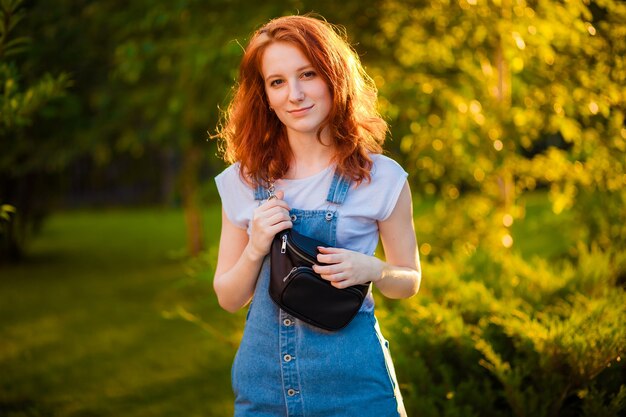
(8, 208)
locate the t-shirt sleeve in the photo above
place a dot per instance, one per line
(389, 178)
(237, 197)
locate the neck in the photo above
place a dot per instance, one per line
(309, 155)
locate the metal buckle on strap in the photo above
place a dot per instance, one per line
(271, 189)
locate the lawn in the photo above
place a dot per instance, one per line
(90, 325)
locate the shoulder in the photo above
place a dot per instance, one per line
(377, 198)
(232, 177)
(231, 181)
(232, 173)
(236, 194)
(385, 168)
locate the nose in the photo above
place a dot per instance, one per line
(296, 95)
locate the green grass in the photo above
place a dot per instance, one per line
(88, 325)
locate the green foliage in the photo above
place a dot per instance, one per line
(19, 104)
(22, 154)
(488, 101)
(11, 15)
(6, 211)
(509, 95)
(494, 334)
(595, 403)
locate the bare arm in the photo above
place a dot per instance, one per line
(240, 257)
(401, 273)
(399, 276)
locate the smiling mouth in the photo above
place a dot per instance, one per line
(302, 110)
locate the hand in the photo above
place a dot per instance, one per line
(268, 219)
(347, 268)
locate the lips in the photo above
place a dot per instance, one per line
(297, 112)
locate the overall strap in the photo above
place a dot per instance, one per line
(338, 189)
(261, 193)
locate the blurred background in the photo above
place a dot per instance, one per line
(507, 114)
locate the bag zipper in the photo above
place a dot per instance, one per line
(290, 273)
(302, 255)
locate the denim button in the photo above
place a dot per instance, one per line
(329, 215)
(287, 322)
(291, 392)
(294, 217)
(287, 358)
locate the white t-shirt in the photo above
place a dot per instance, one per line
(364, 205)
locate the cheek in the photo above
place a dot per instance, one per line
(325, 93)
(274, 97)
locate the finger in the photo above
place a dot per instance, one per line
(327, 270)
(277, 218)
(341, 284)
(272, 211)
(324, 249)
(262, 216)
(273, 203)
(338, 280)
(329, 259)
(334, 277)
(279, 227)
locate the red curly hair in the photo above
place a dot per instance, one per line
(254, 136)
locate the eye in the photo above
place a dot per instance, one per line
(309, 74)
(276, 83)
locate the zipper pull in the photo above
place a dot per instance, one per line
(289, 274)
(283, 247)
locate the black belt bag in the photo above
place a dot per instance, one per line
(301, 292)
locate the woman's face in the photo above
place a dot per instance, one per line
(295, 90)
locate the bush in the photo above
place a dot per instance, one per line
(493, 334)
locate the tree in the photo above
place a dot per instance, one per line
(500, 97)
(24, 158)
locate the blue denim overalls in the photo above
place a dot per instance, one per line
(285, 367)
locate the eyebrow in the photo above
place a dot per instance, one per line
(297, 70)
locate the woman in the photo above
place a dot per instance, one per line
(304, 119)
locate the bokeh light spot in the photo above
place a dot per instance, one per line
(507, 241)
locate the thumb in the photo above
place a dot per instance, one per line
(280, 195)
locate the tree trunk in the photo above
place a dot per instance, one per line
(506, 183)
(10, 248)
(190, 191)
